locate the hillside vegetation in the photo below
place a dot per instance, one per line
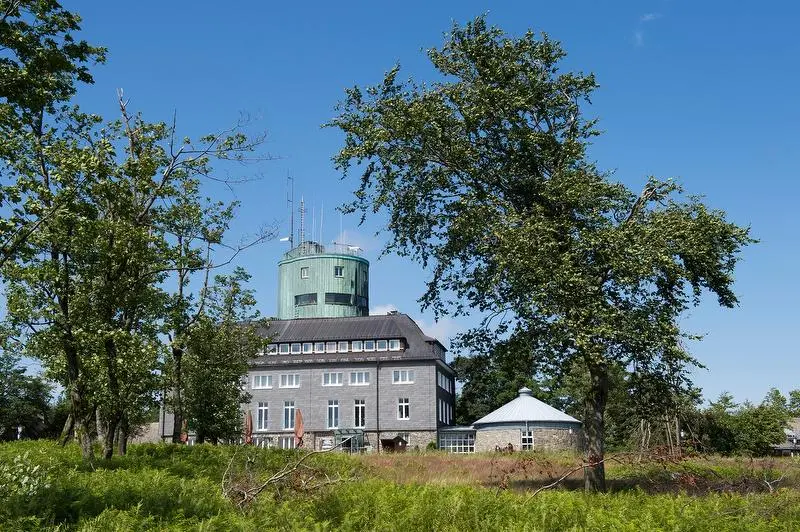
(166, 487)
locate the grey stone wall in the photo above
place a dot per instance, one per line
(544, 439)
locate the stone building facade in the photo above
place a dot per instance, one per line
(370, 379)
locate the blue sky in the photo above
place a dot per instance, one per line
(705, 92)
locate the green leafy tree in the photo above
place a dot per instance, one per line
(24, 400)
(41, 63)
(794, 403)
(485, 180)
(219, 347)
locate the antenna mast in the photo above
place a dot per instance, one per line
(290, 204)
(302, 220)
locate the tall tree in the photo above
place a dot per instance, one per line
(24, 400)
(219, 347)
(40, 65)
(484, 176)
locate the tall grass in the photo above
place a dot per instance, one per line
(165, 487)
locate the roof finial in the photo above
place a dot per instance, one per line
(525, 391)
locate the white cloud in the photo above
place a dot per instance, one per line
(443, 330)
(649, 17)
(382, 310)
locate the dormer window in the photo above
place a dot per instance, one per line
(394, 345)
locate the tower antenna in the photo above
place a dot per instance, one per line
(290, 204)
(302, 220)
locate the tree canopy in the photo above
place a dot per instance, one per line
(484, 177)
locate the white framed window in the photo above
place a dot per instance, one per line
(332, 379)
(308, 348)
(356, 345)
(288, 416)
(343, 347)
(403, 376)
(296, 349)
(369, 345)
(319, 347)
(441, 410)
(338, 271)
(449, 413)
(304, 272)
(262, 416)
(290, 380)
(360, 413)
(381, 345)
(284, 349)
(394, 345)
(359, 378)
(272, 349)
(527, 440)
(286, 442)
(457, 442)
(330, 347)
(403, 408)
(261, 382)
(333, 413)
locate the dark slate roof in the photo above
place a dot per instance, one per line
(418, 346)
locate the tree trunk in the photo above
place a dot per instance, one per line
(177, 394)
(109, 437)
(122, 440)
(81, 414)
(69, 426)
(594, 426)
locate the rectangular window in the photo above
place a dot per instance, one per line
(304, 272)
(262, 416)
(336, 298)
(403, 376)
(403, 408)
(333, 413)
(262, 381)
(359, 378)
(338, 271)
(291, 380)
(284, 349)
(394, 345)
(286, 442)
(356, 345)
(527, 440)
(382, 345)
(272, 349)
(343, 347)
(331, 379)
(441, 410)
(305, 299)
(319, 347)
(369, 345)
(295, 349)
(288, 415)
(360, 413)
(457, 442)
(307, 348)
(330, 347)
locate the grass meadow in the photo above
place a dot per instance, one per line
(165, 487)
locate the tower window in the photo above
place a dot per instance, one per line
(305, 299)
(334, 298)
(338, 271)
(304, 272)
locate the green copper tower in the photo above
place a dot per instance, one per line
(315, 281)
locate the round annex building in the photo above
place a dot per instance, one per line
(525, 423)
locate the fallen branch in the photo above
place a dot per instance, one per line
(249, 494)
(567, 474)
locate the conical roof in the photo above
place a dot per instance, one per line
(525, 408)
